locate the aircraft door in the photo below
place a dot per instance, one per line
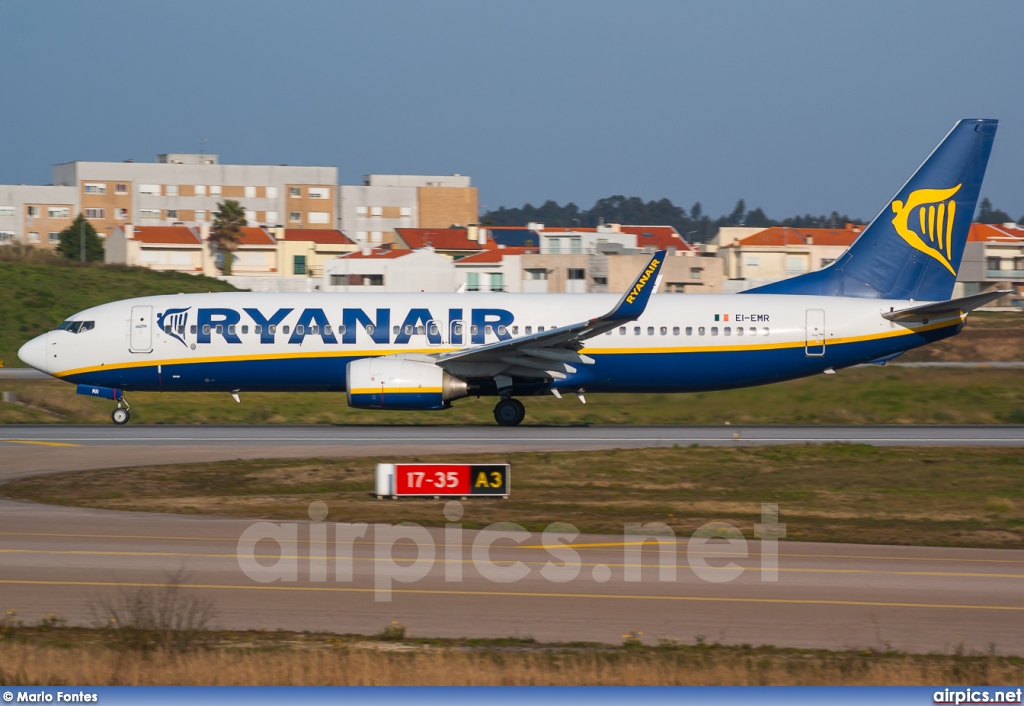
(815, 332)
(457, 333)
(141, 329)
(435, 333)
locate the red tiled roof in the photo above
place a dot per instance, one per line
(376, 254)
(256, 236)
(323, 237)
(437, 238)
(987, 233)
(779, 236)
(661, 237)
(168, 235)
(495, 255)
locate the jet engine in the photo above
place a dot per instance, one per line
(393, 382)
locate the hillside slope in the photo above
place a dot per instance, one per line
(35, 298)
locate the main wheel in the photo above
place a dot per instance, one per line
(509, 412)
(120, 416)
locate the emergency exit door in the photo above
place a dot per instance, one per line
(141, 329)
(815, 332)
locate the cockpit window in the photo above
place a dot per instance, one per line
(77, 326)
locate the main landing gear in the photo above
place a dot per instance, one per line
(121, 415)
(509, 412)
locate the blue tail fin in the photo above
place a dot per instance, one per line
(913, 248)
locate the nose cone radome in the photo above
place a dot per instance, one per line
(34, 353)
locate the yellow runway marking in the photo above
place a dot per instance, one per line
(36, 443)
(681, 544)
(523, 594)
(307, 557)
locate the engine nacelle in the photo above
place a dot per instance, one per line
(392, 382)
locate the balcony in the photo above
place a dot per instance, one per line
(1005, 274)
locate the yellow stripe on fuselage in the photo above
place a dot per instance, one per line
(435, 351)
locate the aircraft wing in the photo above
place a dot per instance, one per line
(953, 307)
(547, 352)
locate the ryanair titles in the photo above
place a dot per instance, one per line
(347, 326)
(642, 281)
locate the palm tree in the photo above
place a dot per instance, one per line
(227, 231)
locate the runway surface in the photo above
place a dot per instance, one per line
(826, 596)
(67, 560)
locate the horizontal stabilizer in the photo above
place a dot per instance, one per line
(953, 307)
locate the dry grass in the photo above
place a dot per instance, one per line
(82, 657)
(832, 493)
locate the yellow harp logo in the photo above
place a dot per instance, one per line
(935, 212)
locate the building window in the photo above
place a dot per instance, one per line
(33, 211)
(250, 192)
(250, 217)
(576, 273)
(54, 236)
(472, 281)
(200, 189)
(405, 212)
(497, 282)
(376, 236)
(149, 214)
(272, 217)
(361, 210)
(795, 265)
(295, 191)
(601, 281)
(361, 235)
(33, 237)
(58, 212)
(271, 192)
(122, 214)
(536, 274)
(214, 190)
(319, 192)
(695, 272)
(200, 214)
(6, 235)
(97, 213)
(171, 190)
(120, 188)
(172, 214)
(299, 265)
(295, 217)
(751, 261)
(7, 211)
(91, 188)
(826, 261)
(377, 211)
(319, 217)
(149, 189)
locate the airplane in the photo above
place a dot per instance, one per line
(889, 293)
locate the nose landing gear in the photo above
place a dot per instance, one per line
(509, 412)
(121, 415)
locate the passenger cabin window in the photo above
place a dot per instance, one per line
(636, 330)
(220, 329)
(245, 329)
(502, 330)
(727, 330)
(194, 329)
(327, 330)
(622, 330)
(675, 330)
(369, 329)
(231, 329)
(272, 329)
(689, 330)
(285, 330)
(300, 330)
(314, 330)
(528, 330)
(206, 329)
(474, 329)
(650, 330)
(257, 329)
(700, 331)
(739, 330)
(714, 330)
(753, 330)
(515, 330)
(764, 331)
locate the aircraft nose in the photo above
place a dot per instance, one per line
(34, 353)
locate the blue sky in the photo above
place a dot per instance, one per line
(794, 106)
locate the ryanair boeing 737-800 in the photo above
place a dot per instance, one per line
(888, 293)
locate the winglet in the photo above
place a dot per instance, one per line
(634, 301)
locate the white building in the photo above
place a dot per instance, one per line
(389, 270)
(371, 212)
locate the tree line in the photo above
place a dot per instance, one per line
(694, 225)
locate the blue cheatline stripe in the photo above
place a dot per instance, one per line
(643, 371)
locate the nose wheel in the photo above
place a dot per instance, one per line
(509, 412)
(121, 415)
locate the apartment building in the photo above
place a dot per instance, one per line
(35, 215)
(776, 253)
(374, 211)
(185, 189)
(994, 259)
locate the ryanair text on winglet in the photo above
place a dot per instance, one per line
(642, 282)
